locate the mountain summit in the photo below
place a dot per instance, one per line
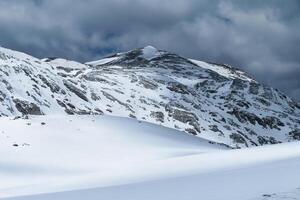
(212, 101)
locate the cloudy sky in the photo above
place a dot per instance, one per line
(261, 37)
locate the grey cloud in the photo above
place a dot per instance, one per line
(261, 37)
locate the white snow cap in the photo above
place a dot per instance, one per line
(150, 52)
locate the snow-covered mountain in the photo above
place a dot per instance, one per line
(213, 101)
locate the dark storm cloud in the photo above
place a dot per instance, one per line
(262, 37)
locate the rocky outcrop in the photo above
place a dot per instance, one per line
(80, 93)
(268, 121)
(178, 88)
(295, 134)
(184, 117)
(159, 116)
(27, 108)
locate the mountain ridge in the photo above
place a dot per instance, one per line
(213, 101)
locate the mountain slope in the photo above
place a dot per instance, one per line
(213, 101)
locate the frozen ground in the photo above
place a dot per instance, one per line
(103, 157)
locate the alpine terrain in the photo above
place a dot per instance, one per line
(141, 125)
(212, 101)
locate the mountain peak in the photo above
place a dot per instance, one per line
(148, 47)
(150, 52)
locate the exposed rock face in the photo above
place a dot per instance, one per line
(209, 100)
(147, 83)
(268, 121)
(184, 117)
(27, 108)
(272, 122)
(295, 134)
(238, 139)
(80, 93)
(178, 87)
(159, 116)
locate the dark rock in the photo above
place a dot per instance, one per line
(238, 84)
(272, 122)
(244, 116)
(184, 117)
(237, 138)
(159, 116)
(254, 87)
(147, 83)
(52, 85)
(262, 140)
(80, 93)
(263, 101)
(215, 128)
(178, 87)
(132, 116)
(295, 134)
(66, 69)
(95, 97)
(191, 131)
(27, 108)
(243, 104)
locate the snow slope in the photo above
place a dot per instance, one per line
(76, 146)
(269, 181)
(224, 70)
(92, 157)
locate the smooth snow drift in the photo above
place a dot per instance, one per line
(92, 157)
(55, 149)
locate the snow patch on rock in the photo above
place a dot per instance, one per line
(150, 52)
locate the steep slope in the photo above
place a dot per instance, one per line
(216, 102)
(31, 86)
(213, 101)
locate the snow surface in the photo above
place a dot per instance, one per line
(68, 147)
(102, 61)
(293, 194)
(150, 52)
(223, 71)
(60, 62)
(92, 157)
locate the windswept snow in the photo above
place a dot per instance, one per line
(102, 61)
(223, 70)
(68, 64)
(88, 157)
(150, 52)
(57, 149)
(244, 183)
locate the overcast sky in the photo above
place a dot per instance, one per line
(261, 37)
